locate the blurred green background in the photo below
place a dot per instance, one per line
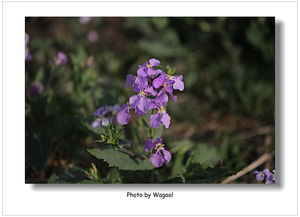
(224, 117)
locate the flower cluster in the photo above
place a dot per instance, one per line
(161, 155)
(105, 115)
(28, 56)
(61, 58)
(36, 89)
(85, 20)
(153, 88)
(265, 175)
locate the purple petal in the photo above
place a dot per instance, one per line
(139, 112)
(255, 172)
(152, 72)
(101, 111)
(149, 144)
(123, 116)
(140, 83)
(134, 101)
(104, 121)
(159, 81)
(269, 174)
(36, 89)
(159, 140)
(150, 90)
(143, 104)
(169, 89)
(61, 58)
(142, 72)
(155, 120)
(161, 98)
(116, 108)
(129, 80)
(167, 155)
(154, 62)
(96, 123)
(85, 20)
(178, 85)
(269, 182)
(166, 119)
(260, 177)
(153, 104)
(157, 160)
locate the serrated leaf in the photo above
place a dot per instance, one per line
(120, 159)
(204, 155)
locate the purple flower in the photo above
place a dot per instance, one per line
(265, 175)
(124, 116)
(85, 20)
(36, 89)
(92, 36)
(61, 58)
(259, 175)
(149, 144)
(161, 156)
(168, 83)
(129, 80)
(270, 177)
(153, 88)
(105, 115)
(140, 103)
(165, 84)
(146, 70)
(100, 122)
(161, 117)
(101, 111)
(178, 83)
(28, 56)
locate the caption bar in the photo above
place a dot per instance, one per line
(150, 195)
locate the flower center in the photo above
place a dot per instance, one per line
(165, 84)
(148, 65)
(159, 146)
(142, 93)
(169, 77)
(161, 109)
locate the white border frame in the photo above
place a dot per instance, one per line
(21, 199)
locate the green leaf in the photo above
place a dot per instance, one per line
(204, 154)
(199, 175)
(113, 176)
(209, 175)
(118, 158)
(73, 175)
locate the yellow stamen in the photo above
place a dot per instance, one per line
(142, 93)
(159, 146)
(148, 65)
(165, 84)
(169, 77)
(161, 109)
